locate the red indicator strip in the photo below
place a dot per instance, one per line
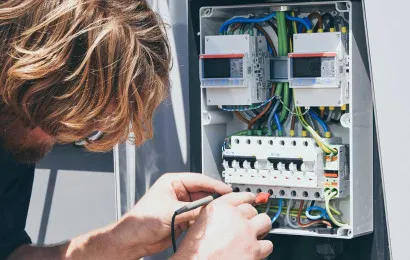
(308, 55)
(221, 56)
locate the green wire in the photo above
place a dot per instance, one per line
(283, 51)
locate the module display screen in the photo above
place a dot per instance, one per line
(216, 68)
(309, 67)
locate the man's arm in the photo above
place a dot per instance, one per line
(144, 230)
(105, 243)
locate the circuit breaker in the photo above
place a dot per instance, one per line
(287, 110)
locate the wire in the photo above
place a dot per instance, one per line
(271, 115)
(174, 243)
(288, 219)
(322, 214)
(322, 143)
(271, 24)
(300, 28)
(249, 108)
(234, 28)
(222, 29)
(278, 212)
(277, 121)
(309, 119)
(240, 117)
(268, 206)
(268, 38)
(266, 109)
(319, 23)
(329, 116)
(245, 20)
(329, 21)
(328, 196)
(319, 120)
(300, 224)
(307, 24)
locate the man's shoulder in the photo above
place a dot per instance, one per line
(16, 182)
(12, 172)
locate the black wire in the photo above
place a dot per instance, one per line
(174, 242)
(328, 21)
(271, 24)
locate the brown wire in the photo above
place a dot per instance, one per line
(319, 23)
(319, 221)
(235, 27)
(267, 38)
(240, 117)
(293, 123)
(266, 109)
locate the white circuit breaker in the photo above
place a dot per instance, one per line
(287, 110)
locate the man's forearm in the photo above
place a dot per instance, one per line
(105, 243)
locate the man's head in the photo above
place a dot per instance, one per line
(69, 68)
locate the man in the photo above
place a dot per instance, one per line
(70, 68)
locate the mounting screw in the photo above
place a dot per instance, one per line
(297, 102)
(295, 37)
(338, 35)
(339, 102)
(246, 37)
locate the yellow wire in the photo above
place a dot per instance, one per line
(337, 212)
(328, 196)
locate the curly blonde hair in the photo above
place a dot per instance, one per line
(72, 67)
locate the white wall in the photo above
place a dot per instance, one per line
(73, 193)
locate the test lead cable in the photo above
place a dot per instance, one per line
(188, 207)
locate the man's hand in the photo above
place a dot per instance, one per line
(228, 228)
(148, 225)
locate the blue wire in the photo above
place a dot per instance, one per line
(279, 211)
(323, 213)
(319, 120)
(278, 122)
(245, 20)
(300, 28)
(270, 49)
(305, 22)
(271, 116)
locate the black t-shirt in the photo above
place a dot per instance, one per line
(16, 182)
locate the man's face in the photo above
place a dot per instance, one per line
(26, 145)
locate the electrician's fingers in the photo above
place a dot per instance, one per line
(265, 249)
(261, 224)
(248, 210)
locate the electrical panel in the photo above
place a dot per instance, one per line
(287, 110)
